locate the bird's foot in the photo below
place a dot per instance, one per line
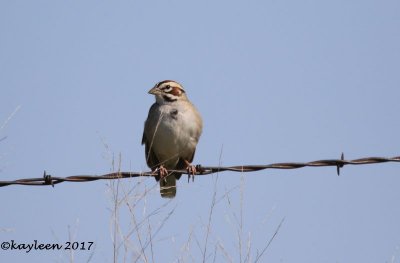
(162, 172)
(191, 169)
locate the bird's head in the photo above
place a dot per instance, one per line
(168, 91)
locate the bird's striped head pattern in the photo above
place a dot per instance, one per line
(168, 91)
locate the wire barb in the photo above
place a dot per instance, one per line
(340, 165)
(47, 179)
(200, 170)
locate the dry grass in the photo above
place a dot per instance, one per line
(136, 240)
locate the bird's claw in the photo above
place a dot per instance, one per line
(191, 169)
(162, 172)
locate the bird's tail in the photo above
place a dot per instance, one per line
(168, 185)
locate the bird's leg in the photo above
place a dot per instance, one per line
(162, 172)
(191, 170)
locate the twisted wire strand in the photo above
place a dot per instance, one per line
(201, 170)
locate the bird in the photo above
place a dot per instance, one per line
(171, 132)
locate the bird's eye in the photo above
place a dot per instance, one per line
(167, 88)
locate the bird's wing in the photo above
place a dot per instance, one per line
(151, 159)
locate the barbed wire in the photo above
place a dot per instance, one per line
(200, 170)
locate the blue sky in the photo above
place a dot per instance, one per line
(275, 81)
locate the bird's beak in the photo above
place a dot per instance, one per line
(155, 90)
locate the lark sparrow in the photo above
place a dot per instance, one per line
(171, 132)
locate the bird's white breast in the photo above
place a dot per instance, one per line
(176, 133)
